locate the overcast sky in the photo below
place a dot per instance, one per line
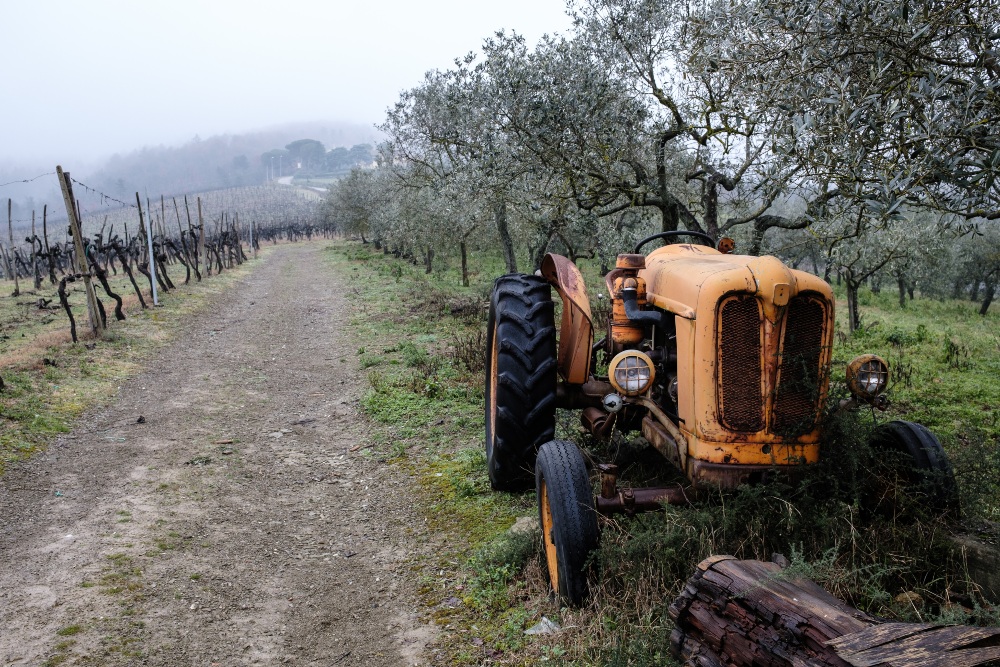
(83, 80)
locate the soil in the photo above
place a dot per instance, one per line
(226, 508)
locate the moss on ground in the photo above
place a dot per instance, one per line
(420, 339)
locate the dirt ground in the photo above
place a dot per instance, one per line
(243, 522)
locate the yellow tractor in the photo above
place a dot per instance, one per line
(722, 361)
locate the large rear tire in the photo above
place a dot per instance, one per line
(520, 379)
(918, 467)
(567, 517)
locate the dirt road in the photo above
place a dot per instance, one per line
(243, 523)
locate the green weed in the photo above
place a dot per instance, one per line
(427, 400)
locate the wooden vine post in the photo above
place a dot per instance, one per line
(36, 276)
(93, 313)
(202, 255)
(145, 228)
(11, 266)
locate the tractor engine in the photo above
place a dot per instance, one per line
(721, 360)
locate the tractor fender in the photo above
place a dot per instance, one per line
(576, 332)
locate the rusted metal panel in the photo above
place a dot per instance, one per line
(740, 348)
(764, 449)
(729, 475)
(801, 374)
(576, 333)
(701, 278)
(662, 441)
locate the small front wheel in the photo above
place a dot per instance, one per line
(568, 518)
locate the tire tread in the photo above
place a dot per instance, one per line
(574, 520)
(522, 319)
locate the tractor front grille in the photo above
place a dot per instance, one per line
(741, 401)
(799, 372)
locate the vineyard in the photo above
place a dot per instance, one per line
(193, 238)
(139, 261)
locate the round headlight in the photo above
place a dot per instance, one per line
(631, 372)
(867, 376)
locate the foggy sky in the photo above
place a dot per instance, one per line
(81, 81)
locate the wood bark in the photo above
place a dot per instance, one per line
(195, 260)
(10, 264)
(749, 613)
(506, 243)
(75, 226)
(202, 254)
(34, 255)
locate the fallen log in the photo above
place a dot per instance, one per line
(735, 613)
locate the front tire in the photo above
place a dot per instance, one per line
(567, 517)
(919, 468)
(520, 379)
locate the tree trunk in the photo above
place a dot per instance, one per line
(465, 263)
(429, 260)
(853, 317)
(749, 613)
(710, 202)
(901, 284)
(48, 253)
(784, 621)
(538, 254)
(991, 291)
(757, 239)
(670, 218)
(500, 218)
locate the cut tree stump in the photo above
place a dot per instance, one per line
(735, 613)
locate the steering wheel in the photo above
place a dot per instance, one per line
(681, 232)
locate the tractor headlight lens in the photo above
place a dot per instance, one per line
(867, 376)
(631, 372)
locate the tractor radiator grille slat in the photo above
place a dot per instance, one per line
(799, 382)
(742, 405)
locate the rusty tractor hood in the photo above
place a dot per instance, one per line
(691, 281)
(682, 278)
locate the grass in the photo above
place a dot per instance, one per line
(945, 359)
(420, 341)
(423, 347)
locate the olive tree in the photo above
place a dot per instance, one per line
(441, 131)
(887, 104)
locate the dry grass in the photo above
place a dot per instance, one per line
(49, 380)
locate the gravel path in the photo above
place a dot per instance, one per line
(244, 522)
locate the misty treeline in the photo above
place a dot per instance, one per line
(199, 165)
(854, 138)
(308, 158)
(224, 162)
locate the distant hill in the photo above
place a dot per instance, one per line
(220, 161)
(200, 165)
